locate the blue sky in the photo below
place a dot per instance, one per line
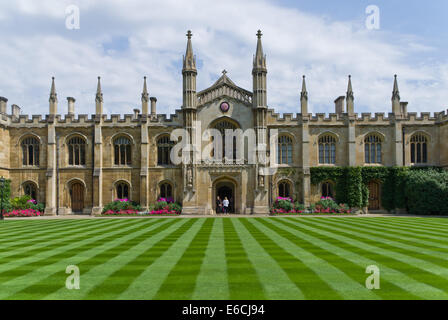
(123, 41)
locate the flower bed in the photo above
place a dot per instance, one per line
(165, 206)
(325, 206)
(23, 206)
(124, 207)
(23, 213)
(121, 207)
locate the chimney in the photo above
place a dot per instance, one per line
(15, 111)
(339, 105)
(153, 106)
(404, 108)
(136, 113)
(70, 105)
(3, 102)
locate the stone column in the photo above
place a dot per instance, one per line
(351, 141)
(144, 164)
(50, 202)
(97, 187)
(306, 179)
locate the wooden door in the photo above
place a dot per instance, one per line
(77, 194)
(374, 195)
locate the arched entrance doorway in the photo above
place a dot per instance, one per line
(77, 197)
(225, 189)
(374, 195)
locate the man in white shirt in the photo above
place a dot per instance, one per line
(225, 204)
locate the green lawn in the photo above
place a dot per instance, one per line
(225, 258)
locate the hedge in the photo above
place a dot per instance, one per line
(411, 188)
(6, 196)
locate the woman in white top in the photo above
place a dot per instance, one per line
(225, 204)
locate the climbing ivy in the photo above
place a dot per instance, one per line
(351, 183)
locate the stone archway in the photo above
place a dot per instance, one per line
(77, 197)
(226, 187)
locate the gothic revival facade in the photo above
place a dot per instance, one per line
(77, 164)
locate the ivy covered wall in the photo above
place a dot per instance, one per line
(397, 186)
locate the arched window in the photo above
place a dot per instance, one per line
(122, 189)
(164, 146)
(327, 189)
(30, 189)
(30, 151)
(327, 149)
(284, 189)
(372, 149)
(76, 151)
(166, 190)
(419, 148)
(122, 151)
(222, 126)
(284, 150)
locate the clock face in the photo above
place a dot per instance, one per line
(224, 106)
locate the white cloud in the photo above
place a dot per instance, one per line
(295, 43)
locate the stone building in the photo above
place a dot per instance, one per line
(77, 164)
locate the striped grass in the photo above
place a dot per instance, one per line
(225, 258)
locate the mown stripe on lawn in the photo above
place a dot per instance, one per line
(22, 229)
(26, 235)
(389, 258)
(349, 262)
(26, 275)
(276, 268)
(413, 243)
(275, 281)
(100, 253)
(403, 253)
(211, 283)
(146, 285)
(315, 277)
(119, 281)
(434, 253)
(244, 283)
(31, 242)
(429, 223)
(418, 233)
(19, 257)
(181, 281)
(111, 256)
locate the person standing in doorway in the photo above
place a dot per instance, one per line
(218, 205)
(225, 204)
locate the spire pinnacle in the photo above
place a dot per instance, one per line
(349, 88)
(304, 93)
(189, 59)
(395, 92)
(259, 59)
(145, 95)
(99, 94)
(53, 95)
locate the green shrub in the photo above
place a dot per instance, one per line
(427, 192)
(283, 203)
(328, 203)
(20, 202)
(299, 206)
(121, 204)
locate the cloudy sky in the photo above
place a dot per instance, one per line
(122, 41)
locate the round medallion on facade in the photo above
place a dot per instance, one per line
(224, 106)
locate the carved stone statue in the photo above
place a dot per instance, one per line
(189, 176)
(261, 180)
